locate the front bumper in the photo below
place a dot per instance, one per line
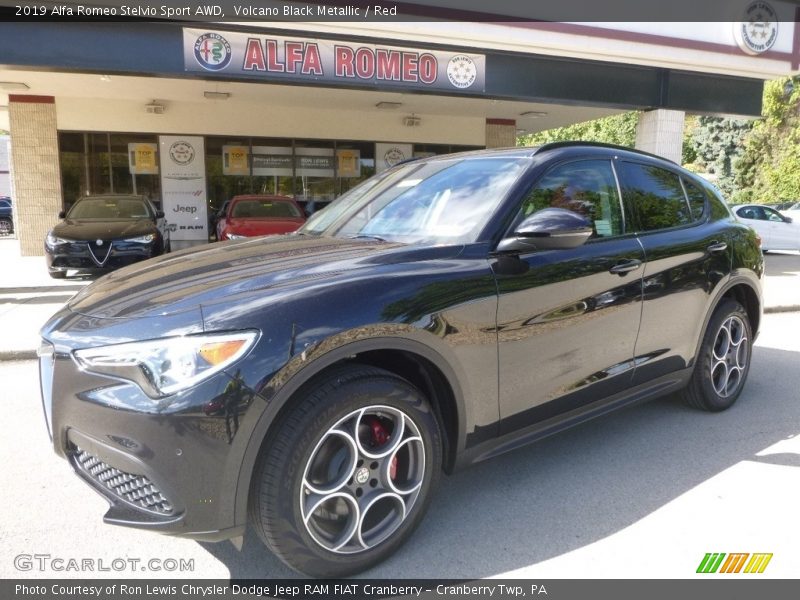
(82, 256)
(170, 466)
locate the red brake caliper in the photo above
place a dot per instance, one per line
(379, 436)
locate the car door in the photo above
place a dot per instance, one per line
(755, 217)
(784, 232)
(568, 319)
(686, 257)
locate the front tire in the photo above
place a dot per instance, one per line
(348, 473)
(723, 361)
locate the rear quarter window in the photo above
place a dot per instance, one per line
(656, 196)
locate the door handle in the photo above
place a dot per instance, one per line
(625, 267)
(717, 247)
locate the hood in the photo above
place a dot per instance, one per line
(255, 227)
(94, 229)
(181, 281)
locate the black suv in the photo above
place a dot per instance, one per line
(6, 216)
(448, 310)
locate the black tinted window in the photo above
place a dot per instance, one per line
(586, 187)
(697, 199)
(656, 195)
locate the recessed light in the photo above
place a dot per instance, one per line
(533, 114)
(388, 105)
(11, 86)
(217, 95)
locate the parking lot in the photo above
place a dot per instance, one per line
(645, 492)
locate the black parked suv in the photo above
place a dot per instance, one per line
(6, 216)
(316, 384)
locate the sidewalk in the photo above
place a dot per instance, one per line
(29, 297)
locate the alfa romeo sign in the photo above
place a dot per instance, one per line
(275, 57)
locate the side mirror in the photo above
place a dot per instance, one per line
(787, 219)
(159, 214)
(548, 229)
(62, 214)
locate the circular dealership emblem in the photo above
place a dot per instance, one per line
(362, 475)
(461, 71)
(181, 153)
(393, 156)
(212, 51)
(758, 30)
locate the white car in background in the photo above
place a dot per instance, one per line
(778, 231)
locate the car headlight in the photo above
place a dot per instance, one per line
(164, 366)
(52, 240)
(142, 239)
(235, 236)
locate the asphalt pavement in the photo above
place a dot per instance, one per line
(641, 493)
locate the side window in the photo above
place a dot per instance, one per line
(752, 212)
(656, 195)
(773, 215)
(697, 199)
(587, 187)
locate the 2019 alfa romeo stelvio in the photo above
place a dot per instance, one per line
(315, 385)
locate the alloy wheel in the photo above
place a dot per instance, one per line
(730, 354)
(362, 479)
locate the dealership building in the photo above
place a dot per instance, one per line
(193, 114)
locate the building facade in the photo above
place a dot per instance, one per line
(193, 115)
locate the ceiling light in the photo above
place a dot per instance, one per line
(11, 86)
(105, 78)
(154, 108)
(412, 121)
(217, 95)
(388, 105)
(533, 114)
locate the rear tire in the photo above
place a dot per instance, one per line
(348, 473)
(723, 362)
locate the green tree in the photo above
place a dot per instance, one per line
(769, 168)
(617, 129)
(717, 144)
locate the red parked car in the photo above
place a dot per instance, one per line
(251, 216)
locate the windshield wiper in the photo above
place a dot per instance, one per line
(363, 236)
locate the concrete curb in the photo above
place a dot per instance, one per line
(782, 309)
(7, 355)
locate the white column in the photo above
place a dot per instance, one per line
(661, 132)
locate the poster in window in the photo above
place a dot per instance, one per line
(273, 161)
(349, 162)
(142, 159)
(234, 160)
(388, 155)
(314, 162)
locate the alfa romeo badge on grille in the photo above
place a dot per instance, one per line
(99, 242)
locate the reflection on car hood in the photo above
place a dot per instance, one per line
(93, 229)
(182, 280)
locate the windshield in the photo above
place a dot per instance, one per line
(264, 208)
(441, 202)
(110, 208)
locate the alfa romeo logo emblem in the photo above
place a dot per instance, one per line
(212, 51)
(461, 71)
(758, 30)
(362, 476)
(99, 242)
(181, 152)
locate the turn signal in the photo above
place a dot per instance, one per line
(219, 352)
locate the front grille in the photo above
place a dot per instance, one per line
(137, 490)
